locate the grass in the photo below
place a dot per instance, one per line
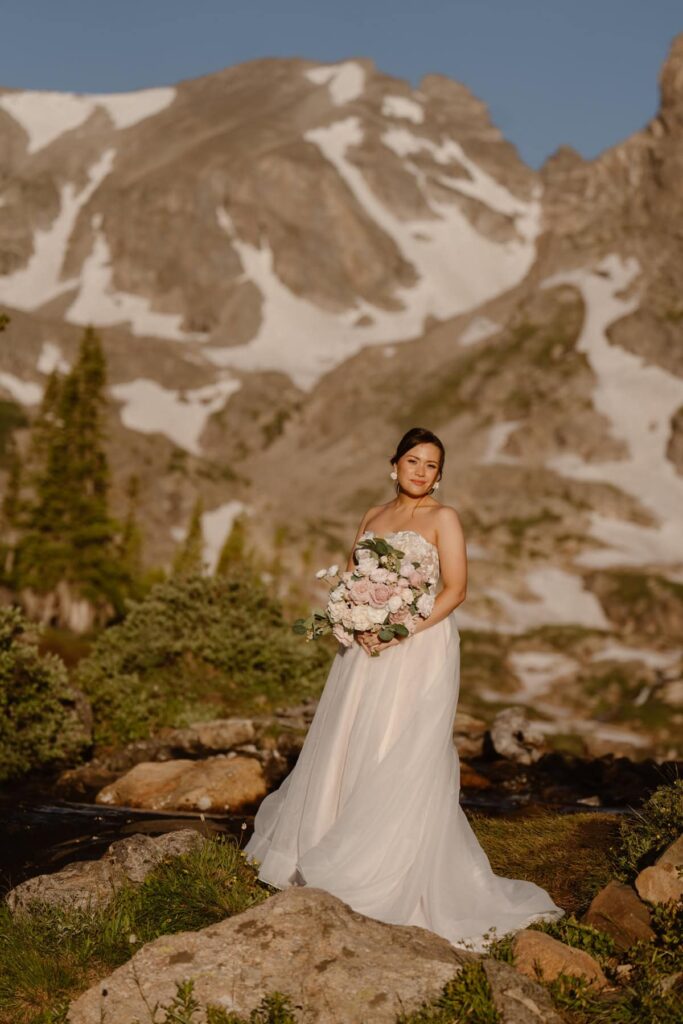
(50, 955)
(535, 848)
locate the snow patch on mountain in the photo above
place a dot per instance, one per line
(481, 185)
(40, 281)
(25, 392)
(216, 528)
(477, 330)
(45, 116)
(638, 400)
(291, 327)
(498, 435)
(402, 107)
(180, 415)
(562, 599)
(51, 359)
(345, 81)
(655, 659)
(98, 302)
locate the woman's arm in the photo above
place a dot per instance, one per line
(453, 560)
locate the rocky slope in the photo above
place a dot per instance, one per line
(291, 264)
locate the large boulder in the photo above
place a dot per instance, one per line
(619, 912)
(515, 737)
(336, 965)
(92, 883)
(215, 784)
(663, 881)
(537, 954)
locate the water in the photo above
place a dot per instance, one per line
(40, 837)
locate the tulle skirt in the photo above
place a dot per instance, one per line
(371, 810)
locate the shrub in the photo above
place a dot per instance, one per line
(645, 833)
(41, 716)
(195, 647)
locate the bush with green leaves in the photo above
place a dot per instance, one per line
(43, 720)
(197, 647)
(646, 832)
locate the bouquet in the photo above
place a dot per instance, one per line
(385, 594)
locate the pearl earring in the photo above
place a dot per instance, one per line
(393, 475)
(436, 486)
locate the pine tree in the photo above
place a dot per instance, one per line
(234, 550)
(189, 559)
(68, 533)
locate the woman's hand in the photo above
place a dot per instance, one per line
(368, 641)
(371, 643)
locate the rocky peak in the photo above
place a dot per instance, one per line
(671, 83)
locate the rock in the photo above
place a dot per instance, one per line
(215, 784)
(518, 999)
(468, 735)
(336, 965)
(534, 949)
(515, 737)
(220, 734)
(663, 881)
(92, 883)
(471, 779)
(659, 884)
(619, 912)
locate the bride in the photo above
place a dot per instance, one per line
(371, 810)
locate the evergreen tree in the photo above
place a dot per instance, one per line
(189, 559)
(68, 533)
(234, 550)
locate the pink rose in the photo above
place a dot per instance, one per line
(359, 591)
(379, 594)
(404, 618)
(416, 579)
(342, 636)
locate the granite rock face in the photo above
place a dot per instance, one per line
(337, 966)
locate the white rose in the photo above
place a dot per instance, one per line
(378, 615)
(425, 604)
(406, 595)
(407, 568)
(395, 603)
(333, 570)
(361, 617)
(391, 576)
(335, 610)
(347, 617)
(320, 573)
(338, 593)
(379, 575)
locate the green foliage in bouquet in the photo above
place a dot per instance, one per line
(318, 623)
(196, 647)
(41, 716)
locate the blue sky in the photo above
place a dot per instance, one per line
(581, 72)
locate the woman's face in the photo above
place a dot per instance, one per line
(418, 469)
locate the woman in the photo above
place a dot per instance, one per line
(371, 810)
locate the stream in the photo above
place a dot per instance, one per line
(40, 833)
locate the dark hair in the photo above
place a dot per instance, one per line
(418, 435)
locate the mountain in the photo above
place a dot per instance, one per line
(291, 264)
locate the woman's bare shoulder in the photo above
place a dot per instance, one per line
(373, 512)
(447, 518)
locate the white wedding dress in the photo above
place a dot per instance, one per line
(371, 810)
